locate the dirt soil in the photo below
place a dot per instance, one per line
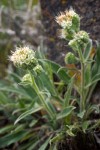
(80, 142)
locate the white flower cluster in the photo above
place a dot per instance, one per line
(65, 19)
(24, 57)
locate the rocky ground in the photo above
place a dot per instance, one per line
(89, 11)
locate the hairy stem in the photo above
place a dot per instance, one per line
(82, 100)
(45, 105)
(82, 107)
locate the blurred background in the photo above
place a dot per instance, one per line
(32, 22)
(20, 24)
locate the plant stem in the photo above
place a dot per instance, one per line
(45, 105)
(82, 102)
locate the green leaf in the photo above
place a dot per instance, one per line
(95, 79)
(15, 76)
(67, 95)
(40, 51)
(98, 53)
(57, 69)
(15, 90)
(88, 73)
(46, 83)
(87, 50)
(71, 128)
(32, 146)
(85, 125)
(92, 108)
(56, 138)
(45, 144)
(19, 128)
(33, 123)
(3, 98)
(96, 125)
(6, 129)
(96, 65)
(70, 133)
(27, 113)
(65, 112)
(48, 101)
(12, 138)
(81, 114)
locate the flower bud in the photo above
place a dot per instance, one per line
(26, 78)
(69, 20)
(24, 58)
(70, 58)
(65, 34)
(80, 40)
(83, 36)
(73, 44)
(38, 69)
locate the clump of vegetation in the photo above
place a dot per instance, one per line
(61, 107)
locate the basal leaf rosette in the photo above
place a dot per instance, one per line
(24, 58)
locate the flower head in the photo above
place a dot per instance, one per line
(24, 57)
(69, 19)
